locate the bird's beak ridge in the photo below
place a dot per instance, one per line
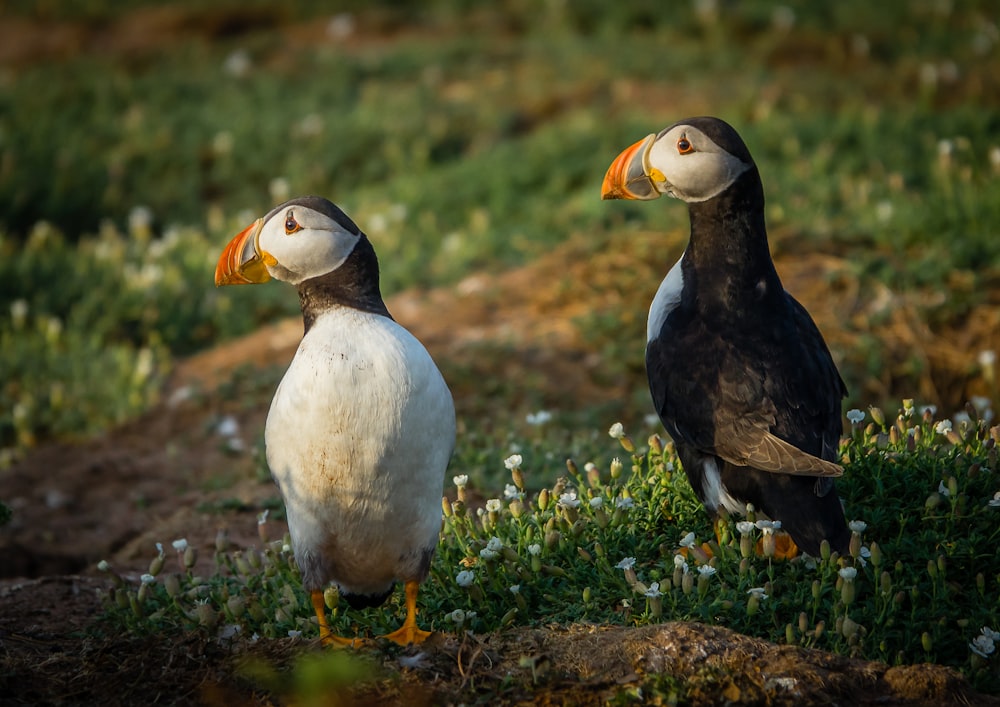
(241, 262)
(628, 177)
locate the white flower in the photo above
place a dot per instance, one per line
(995, 501)
(982, 646)
(515, 589)
(848, 573)
(147, 579)
(943, 490)
(680, 562)
(943, 427)
(596, 502)
(928, 409)
(758, 592)
(465, 578)
(494, 544)
(654, 590)
(292, 633)
(617, 430)
(706, 570)
(687, 541)
(494, 505)
(180, 545)
(538, 418)
(227, 427)
(457, 616)
(768, 526)
(855, 416)
(461, 480)
(569, 500)
(624, 503)
(488, 554)
(626, 564)
(513, 461)
(510, 492)
(990, 633)
(262, 517)
(534, 549)
(857, 526)
(744, 527)
(103, 566)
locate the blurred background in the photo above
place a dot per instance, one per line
(469, 141)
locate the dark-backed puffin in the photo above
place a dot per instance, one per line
(739, 374)
(362, 425)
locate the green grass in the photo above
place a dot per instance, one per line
(604, 545)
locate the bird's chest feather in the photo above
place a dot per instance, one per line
(359, 416)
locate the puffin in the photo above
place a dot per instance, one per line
(362, 425)
(739, 374)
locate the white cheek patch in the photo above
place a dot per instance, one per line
(307, 253)
(668, 296)
(697, 176)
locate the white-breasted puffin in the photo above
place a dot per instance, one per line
(362, 425)
(739, 374)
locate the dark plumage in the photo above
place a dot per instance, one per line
(739, 374)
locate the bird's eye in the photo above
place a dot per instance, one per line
(291, 225)
(684, 146)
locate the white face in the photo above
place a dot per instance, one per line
(298, 243)
(686, 164)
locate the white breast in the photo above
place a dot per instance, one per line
(358, 438)
(667, 297)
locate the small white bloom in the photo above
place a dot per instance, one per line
(457, 616)
(687, 541)
(293, 633)
(262, 517)
(461, 480)
(943, 427)
(180, 545)
(943, 490)
(488, 554)
(228, 427)
(103, 566)
(538, 418)
(494, 505)
(990, 633)
(995, 501)
(596, 502)
(758, 592)
(857, 526)
(982, 646)
(680, 562)
(653, 590)
(626, 564)
(495, 544)
(147, 579)
(848, 573)
(569, 500)
(625, 502)
(617, 430)
(515, 589)
(706, 570)
(768, 526)
(534, 549)
(855, 416)
(744, 527)
(159, 549)
(510, 492)
(465, 578)
(513, 461)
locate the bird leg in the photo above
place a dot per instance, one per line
(325, 636)
(409, 632)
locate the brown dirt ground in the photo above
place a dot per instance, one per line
(167, 475)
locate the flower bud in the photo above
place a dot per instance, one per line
(687, 583)
(446, 507)
(190, 556)
(630, 578)
(552, 538)
(746, 546)
(854, 547)
(586, 595)
(133, 602)
(543, 499)
(980, 583)
(877, 415)
(237, 606)
(156, 566)
(553, 571)
(616, 468)
(789, 634)
(820, 628)
(926, 642)
(655, 444)
(824, 550)
(847, 591)
(518, 476)
(817, 589)
(803, 622)
(584, 555)
(753, 604)
(885, 583)
(849, 627)
(172, 584)
(221, 540)
(876, 555)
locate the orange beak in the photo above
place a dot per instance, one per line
(241, 262)
(628, 177)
